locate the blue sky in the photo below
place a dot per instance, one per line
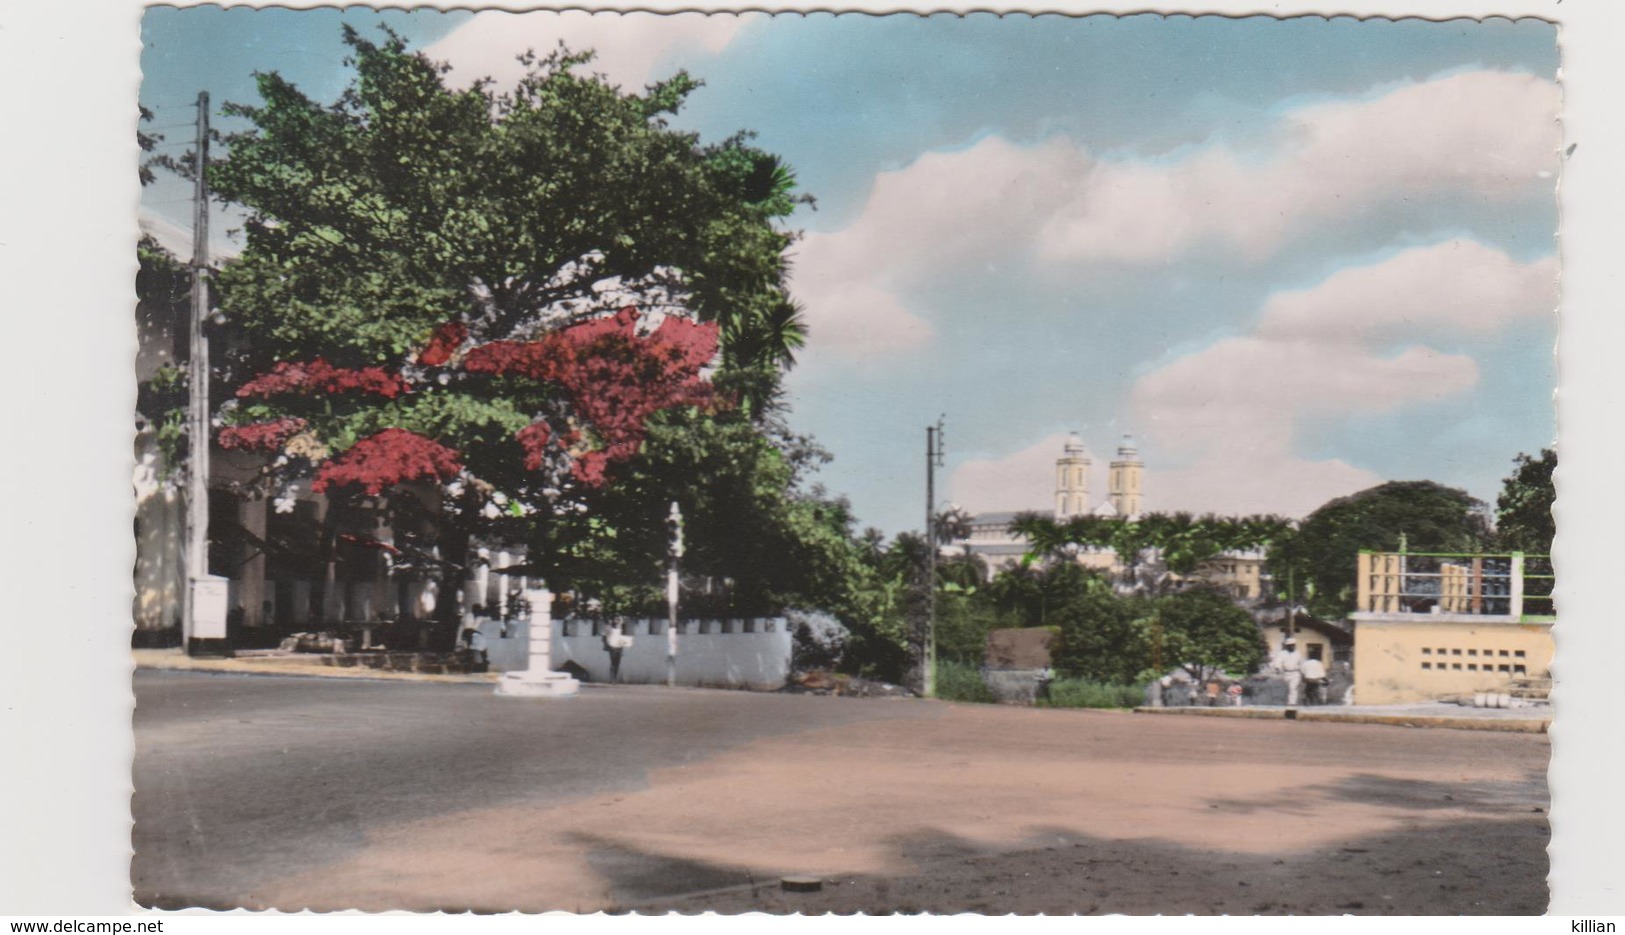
(1293, 257)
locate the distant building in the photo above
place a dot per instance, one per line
(992, 539)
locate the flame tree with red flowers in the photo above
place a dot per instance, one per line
(543, 308)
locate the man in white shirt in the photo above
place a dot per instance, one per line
(1290, 665)
(1314, 680)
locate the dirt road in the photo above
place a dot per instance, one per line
(909, 806)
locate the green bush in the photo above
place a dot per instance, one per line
(1101, 638)
(1083, 693)
(957, 681)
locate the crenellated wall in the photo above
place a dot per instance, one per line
(754, 653)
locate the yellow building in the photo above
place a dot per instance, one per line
(1431, 626)
(1239, 574)
(1127, 471)
(1072, 480)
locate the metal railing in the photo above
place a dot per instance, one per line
(1513, 585)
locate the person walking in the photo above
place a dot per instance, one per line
(1289, 664)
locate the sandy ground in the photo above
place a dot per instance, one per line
(997, 810)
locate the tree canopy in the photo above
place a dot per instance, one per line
(406, 205)
(1204, 631)
(1102, 638)
(1426, 516)
(1176, 542)
(543, 302)
(1523, 511)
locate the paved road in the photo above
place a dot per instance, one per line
(294, 793)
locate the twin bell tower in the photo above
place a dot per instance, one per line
(1072, 481)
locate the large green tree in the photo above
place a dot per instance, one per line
(1202, 630)
(407, 204)
(1423, 515)
(1523, 511)
(1103, 638)
(545, 303)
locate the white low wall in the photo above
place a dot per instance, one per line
(715, 653)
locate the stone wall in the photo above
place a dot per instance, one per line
(753, 654)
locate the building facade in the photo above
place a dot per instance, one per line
(1431, 626)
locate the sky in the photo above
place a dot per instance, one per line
(1294, 258)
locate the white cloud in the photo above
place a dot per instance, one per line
(1247, 392)
(1228, 413)
(1233, 407)
(1020, 210)
(1485, 135)
(633, 48)
(945, 211)
(171, 236)
(175, 238)
(1265, 483)
(1459, 285)
(1024, 480)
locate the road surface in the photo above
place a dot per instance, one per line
(292, 793)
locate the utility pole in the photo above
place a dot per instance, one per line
(674, 525)
(204, 600)
(933, 460)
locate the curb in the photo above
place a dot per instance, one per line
(1269, 714)
(178, 663)
(1502, 725)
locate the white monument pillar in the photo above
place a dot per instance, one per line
(539, 681)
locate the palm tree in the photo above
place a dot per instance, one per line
(1152, 548)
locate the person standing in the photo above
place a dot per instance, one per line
(616, 641)
(1290, 665)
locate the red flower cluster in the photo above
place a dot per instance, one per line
(443, 343)
(261, 436)
(534, 438)
(614, 379)
(319, 376)
(390, 457)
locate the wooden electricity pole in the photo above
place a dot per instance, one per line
(933, 460)
(197, 435)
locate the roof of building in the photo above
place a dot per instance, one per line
(1302, 621)
(1004, 517)
(996, 548)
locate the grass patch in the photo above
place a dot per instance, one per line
(957, 681)
(1082, 693)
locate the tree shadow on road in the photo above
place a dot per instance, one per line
(1484, 797)
(1473, 866)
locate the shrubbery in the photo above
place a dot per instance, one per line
(957, 681)
(1083, 693)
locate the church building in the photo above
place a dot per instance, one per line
(992, 539)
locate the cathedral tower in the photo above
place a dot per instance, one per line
(1072, 480)
(1126, 471)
